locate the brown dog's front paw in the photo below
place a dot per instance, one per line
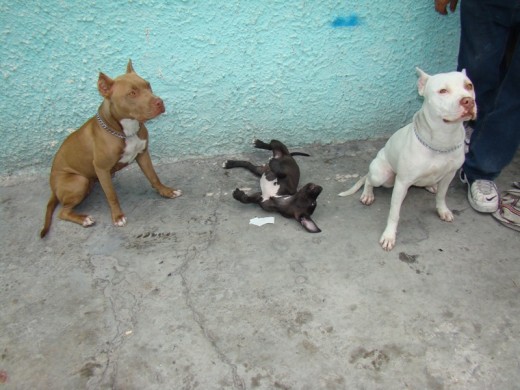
(120, 221)
(169, 192)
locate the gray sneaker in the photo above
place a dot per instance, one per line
(482, 194)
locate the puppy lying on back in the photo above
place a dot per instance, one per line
(279, 180)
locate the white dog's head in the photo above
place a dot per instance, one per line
(449, 96)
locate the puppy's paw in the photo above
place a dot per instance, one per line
(238, 194)
(446, 215)
(88, 221)
(260, 144)
(226, 164)
(120, 222)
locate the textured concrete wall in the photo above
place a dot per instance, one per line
(300, 71)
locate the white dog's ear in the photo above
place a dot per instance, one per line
(423, 78)
(463, 71)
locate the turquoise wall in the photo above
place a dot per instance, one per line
(301, 71)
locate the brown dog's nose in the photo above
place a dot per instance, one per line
(467, 102)
(159, 104)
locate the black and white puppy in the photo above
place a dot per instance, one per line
(279, 180)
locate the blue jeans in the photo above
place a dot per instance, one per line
(487, 27)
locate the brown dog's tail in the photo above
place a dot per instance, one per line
(51, 206)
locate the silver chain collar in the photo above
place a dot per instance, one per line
(432, 148)
(105, 126)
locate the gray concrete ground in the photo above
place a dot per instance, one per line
(189, 295)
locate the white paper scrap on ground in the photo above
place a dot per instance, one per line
(261, 221)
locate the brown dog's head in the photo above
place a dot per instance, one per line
(130, 96)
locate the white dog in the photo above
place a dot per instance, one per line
(426, 152)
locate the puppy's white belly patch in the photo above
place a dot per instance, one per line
(133, 144)
(269, 188)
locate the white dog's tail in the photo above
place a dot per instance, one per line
(355, 187)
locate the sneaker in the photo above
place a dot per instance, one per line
(482, 194)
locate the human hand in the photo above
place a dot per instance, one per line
(441, 6)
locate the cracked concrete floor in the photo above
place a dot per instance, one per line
(190, 296)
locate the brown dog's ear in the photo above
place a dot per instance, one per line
(105, 85)
(129, 67)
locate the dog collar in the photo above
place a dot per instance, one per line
(434, 149)
(108, 129)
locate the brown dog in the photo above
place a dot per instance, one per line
(105, 144)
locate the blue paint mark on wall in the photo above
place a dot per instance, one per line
(351, 20)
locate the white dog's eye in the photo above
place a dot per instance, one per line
(469, 87)
(443, 91)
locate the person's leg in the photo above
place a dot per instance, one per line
(496, 137)
(483, 43)
(485, 29)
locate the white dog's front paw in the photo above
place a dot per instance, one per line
(445, 215)
(120, 222)
(387, 241)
